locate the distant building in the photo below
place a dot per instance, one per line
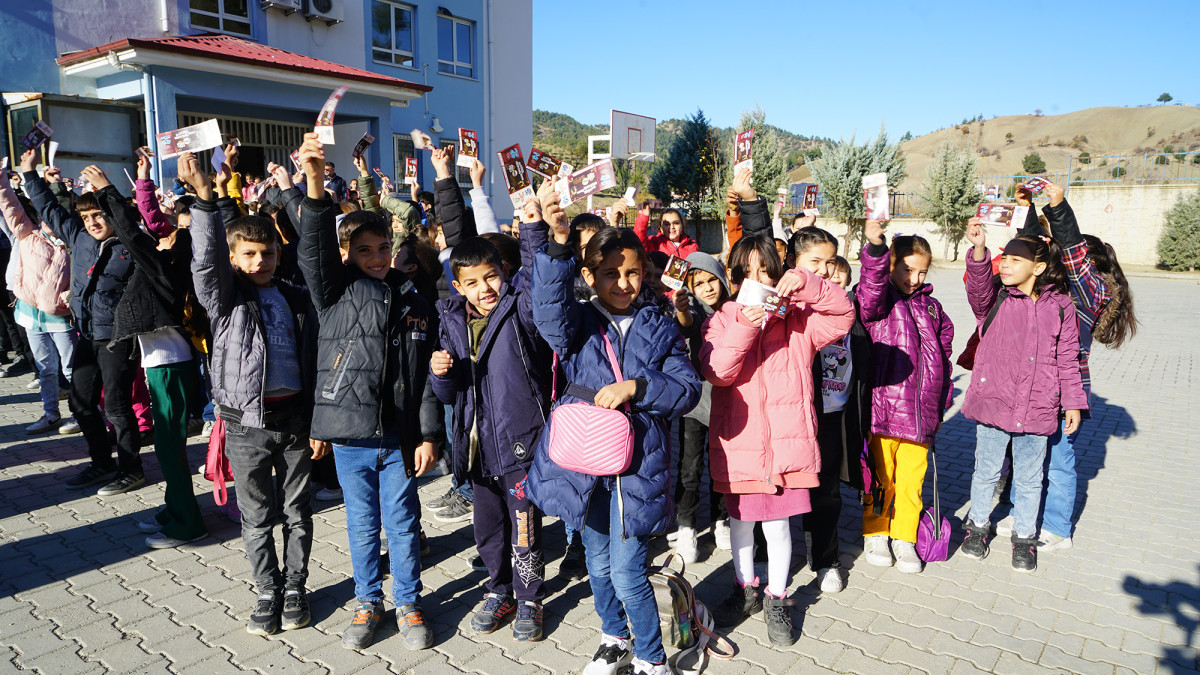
(106, 81)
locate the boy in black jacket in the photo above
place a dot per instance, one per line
(373, 397)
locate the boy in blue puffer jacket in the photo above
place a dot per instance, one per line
(493, 368)
(616, 514)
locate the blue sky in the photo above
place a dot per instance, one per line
(836, 68)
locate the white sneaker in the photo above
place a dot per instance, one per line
(328, 495)
(43, 425)
(69, 426)
(641, 667)
(610, 657)
(907, 560)
(830, 580)
(1004, 527)
(721, 535)
(35, 383)
(206, 430)
(876, 548)
(1048, 542)
(150, 525)
(685, 544)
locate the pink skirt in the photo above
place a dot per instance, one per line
(757, 506)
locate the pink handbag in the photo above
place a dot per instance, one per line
(216, 464)
(588, 438)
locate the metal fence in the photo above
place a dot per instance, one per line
(1162, 167)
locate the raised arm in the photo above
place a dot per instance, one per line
(65, 225)
(212, 272)
(16, 222)
(981, 290)
(555, 311)
(872, 292)
(755, 218)
(123, 220)
(147, 202)
(448, 199)
(481, 204)
(319, 254)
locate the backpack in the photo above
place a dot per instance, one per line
(686, 624)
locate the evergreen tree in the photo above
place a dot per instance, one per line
(1179, 244)
(769, 165)
(949, 195)
(839, 174)
(1033, 163)
(688, 167)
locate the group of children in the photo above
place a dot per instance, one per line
(325, 332)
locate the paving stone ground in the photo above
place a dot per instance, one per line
(80, 593)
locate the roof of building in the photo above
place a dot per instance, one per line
(238, 50)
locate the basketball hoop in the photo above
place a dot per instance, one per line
(642, 157)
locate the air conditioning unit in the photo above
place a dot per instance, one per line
(288, 7)
(329, 11)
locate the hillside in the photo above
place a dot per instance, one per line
(566, 138)
(1057, 138)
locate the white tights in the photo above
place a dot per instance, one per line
(779, 552)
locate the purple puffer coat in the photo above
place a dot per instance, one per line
(1027, 364)
(910, 353)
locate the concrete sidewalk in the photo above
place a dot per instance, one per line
(80, 593)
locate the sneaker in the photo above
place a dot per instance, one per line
(361, 630)
(194, 426)
(640, 667)
(476, 563)
(1024, 556)
(1052, 542)
(574, 564)
(685, 544)
(43, 425)
(17, 367)
(492, 612)
(295, 609)
(264, 620)
(91, 476)
(741, 603)
(34, 384)
(411, 622)
(614, 652)
(329, 495)
(974, 541)
(150, 525)
(122, 484)
(876, 548)
(721, 535)
(528, 625)
(160, 540)
(441, 502)
(459, 511)
(830, 580)
(907, 560)
(207, 429)
(69, 426)
(778, 613)
(1004, 526)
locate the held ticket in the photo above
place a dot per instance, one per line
(875, 195)
(195, 138)
(410, 170)
(324, 126)
(755, 293)
(1036, 184)
(516, 179)
(385, 183)
(675, 275)
(743, 148)
(1002, 214)
(588, 181)
(468, 148)
(544, 165)
(421, 140)
(40, 133)
(362, 145)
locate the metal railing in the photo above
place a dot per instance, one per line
(1161, 167)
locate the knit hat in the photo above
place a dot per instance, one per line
(704, 261)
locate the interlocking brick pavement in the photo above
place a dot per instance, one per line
(79, 593)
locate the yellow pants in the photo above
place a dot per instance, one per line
(900, 469)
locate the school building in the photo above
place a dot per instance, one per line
(108, 76)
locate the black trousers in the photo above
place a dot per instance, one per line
(822, 522)
(12, 336)
(96, 366)
(508, 535)
(693, 454)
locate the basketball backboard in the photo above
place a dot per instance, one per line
(632, 136)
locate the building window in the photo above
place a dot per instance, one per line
(461, 174)
(456, 46)
(404, 150)
(392, 33)
(225, 16)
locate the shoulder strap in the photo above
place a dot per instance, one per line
(937, 506)
(582, 392)
(1000, 298)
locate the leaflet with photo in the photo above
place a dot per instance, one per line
(630, 195)
(1036, 185)
(755, 293)
(779, 203)
(543, 165)
(875, 195)
(40, 133)
(742, 149)
(385, 183)
(295, 157)
(194, 138)
(468, 148)
(516, 178)
(675, 275)
(588, 181)
(324, 127)
(808, 196)
(421, 140)
(144, 151)
(361, 146)
(410, 170)
(1002, 214)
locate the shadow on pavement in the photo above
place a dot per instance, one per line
(1179, 601)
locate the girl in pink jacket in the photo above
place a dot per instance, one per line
(763, 429)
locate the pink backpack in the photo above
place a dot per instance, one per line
(587, 438)
(216, 464)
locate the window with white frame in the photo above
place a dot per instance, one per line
(392, 33)
(462, 175)
(456, 46)
(224, 16)
(404, 150)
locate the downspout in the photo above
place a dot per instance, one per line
(166, 25)
(487, 98)
(148, 98)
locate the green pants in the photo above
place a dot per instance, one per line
(169, 387)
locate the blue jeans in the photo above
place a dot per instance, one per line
(464, 488)
(1060, 492)
(1028, 451)
(375, 482)
(618, 574)
(52, 351)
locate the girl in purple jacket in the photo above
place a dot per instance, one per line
(1026, 371)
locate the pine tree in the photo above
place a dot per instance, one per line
(1179, 244)
(949, 195)
(688, 167)
(840, 171)
(1033, 163)
(769, 163)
